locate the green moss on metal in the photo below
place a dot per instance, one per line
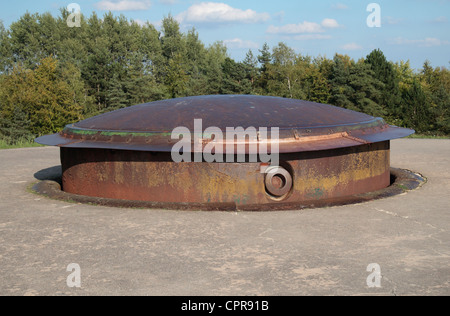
(69, 130)
(86, 132)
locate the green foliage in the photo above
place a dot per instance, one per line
(282, 74)
(251, 70)
(25, 41)
(235, 79)
(319, 90)
(366, 93)
(215, 58)
(264, 59)
(176, 77)
(15, 127)
(172, 40)
(36, 102)
(436, 85)
(339, 81)
(384, 72)
(416, 113)
(52, 75)
(4, 48)
(195, 60)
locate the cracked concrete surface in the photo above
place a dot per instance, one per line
(155, 252)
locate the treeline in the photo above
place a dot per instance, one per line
(52, 75)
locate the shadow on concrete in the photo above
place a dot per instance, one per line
(51, 174)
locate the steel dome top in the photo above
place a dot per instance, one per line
(303, 125)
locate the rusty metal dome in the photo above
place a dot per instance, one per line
(304, 126)
(326, 154)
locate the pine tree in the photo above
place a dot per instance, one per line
(264, 59)
(72, 46)
(250, 65)
(234, 78)
(49, 35)
(173, 46)
(14, 122)
(442, 109)
(385, 73)
(435, 83)
(96, 69)
(139, 85)
(117, 98)
(176, 78)
(339, 80)
(319, 91)
(25, 41)
(152, 57)
(355, 87)
(4, 49)
(196, 64)
(16, 127)
(172, 41)
(366, 90)
(415, 109)
(427, 72)
(71, 75)
(316, 84)
(215, 57)
(16, 102)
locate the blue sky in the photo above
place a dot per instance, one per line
(414, 30)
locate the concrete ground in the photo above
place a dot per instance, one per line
(154, 252)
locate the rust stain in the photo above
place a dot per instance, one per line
(143, 177)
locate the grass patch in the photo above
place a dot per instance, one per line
(422, 136)
(25, 143)
(403, 187)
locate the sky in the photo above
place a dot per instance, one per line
(414, 30)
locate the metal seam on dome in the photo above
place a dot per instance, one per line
(362, 141)
(86, 131)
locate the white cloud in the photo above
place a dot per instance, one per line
(392, 21)
(351, 46)
(302, 28)
(330, 23)
(140, 22)
(124, 5)
(212, 12)
(307, 37)
(279, 16)
(440, 19)
(168, 2)
(239, 43)
(339, 6)
(305, 27)
(427, 42)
